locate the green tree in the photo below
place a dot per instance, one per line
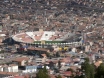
(42, 73)
(100, 71)
(44, 69)
(59, 64)
(57, 54)
(87, 69)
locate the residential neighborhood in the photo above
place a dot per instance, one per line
(51, 38)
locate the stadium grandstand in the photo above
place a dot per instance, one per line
(42, 37)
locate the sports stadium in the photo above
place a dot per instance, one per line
(42, 37)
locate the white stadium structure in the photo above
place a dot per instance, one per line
(44, 37)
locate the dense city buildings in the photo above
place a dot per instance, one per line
(51, 38)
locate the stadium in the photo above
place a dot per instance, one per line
(42, 37)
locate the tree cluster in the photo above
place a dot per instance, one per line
(90, 71)
(42, 73)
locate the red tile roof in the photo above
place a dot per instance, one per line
(67, 73)
(19, 77)
(19, 59)
(8, 73)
